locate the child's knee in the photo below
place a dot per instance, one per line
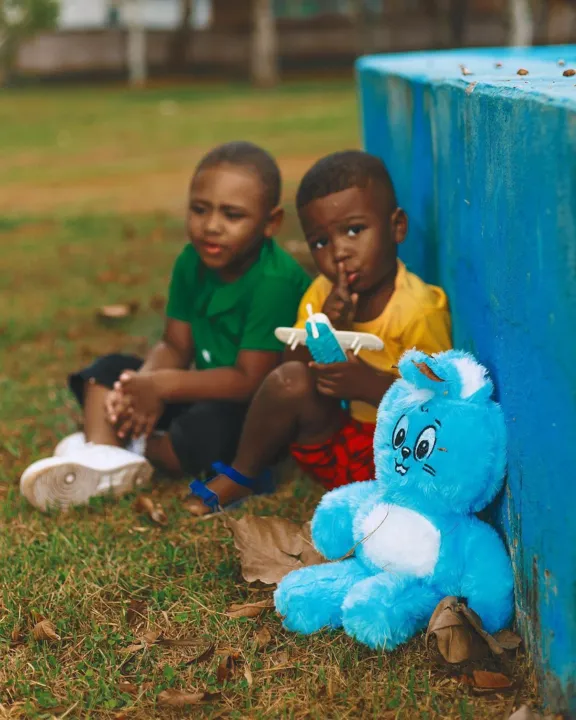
(292, 381)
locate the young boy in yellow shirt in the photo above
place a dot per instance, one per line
(351, 220)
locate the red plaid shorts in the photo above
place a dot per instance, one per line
(345, 458)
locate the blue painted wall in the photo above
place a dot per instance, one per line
(485, 165)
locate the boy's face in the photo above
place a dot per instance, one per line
(228, 215)
(358, 227)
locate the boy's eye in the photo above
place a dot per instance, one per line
(233, 215)
(197, 209)
(319, 243)
(354, 230)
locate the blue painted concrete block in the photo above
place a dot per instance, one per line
(485, 165)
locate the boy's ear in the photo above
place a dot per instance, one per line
(275, 220)
(399, 226)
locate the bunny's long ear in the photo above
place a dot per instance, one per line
(475, 384)
(421, 370)
(453, 374)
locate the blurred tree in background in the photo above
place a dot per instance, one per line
(19, 20)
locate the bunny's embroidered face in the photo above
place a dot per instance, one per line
(440, 439)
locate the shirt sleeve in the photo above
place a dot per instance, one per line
(274, 304)
(180, 292)
(430, 332)
(314, 296)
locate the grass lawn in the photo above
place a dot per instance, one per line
(93, 183)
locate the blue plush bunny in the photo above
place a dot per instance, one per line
(412, 537)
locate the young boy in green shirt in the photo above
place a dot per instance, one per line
(231, 287)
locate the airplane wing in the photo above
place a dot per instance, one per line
(349, 340)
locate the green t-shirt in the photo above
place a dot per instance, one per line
(241, 315)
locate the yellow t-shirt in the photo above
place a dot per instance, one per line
(416, 316)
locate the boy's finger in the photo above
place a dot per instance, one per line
(342, 281)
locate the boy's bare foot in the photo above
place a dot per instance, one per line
(227, 490)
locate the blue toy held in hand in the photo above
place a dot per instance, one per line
(322, 342)
(440, 457)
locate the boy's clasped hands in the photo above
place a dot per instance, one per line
(134, 406)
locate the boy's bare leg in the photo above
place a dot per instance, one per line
(160, 452)
(97, 428)
(286, 409)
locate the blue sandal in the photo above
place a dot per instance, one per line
(260, 486)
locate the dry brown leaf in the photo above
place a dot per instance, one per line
(148, 639)
(45, 631)
(136, 612)
(309, 554)
(282, 658)
(226, 667)
(262, 637)
(271, 547)
(427, 371)
(128, 688)
(455, 638)
(181, 698)
(249, 610)
(508, 640)
(16, 637)
(151, 637)
(176, 642)
(485, 680)
(146, 506)
(121, 311)
(208, 654)
(248, 676)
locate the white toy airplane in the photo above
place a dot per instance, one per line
(348, 340)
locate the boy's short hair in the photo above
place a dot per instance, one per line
(247, 154)
(341, 171)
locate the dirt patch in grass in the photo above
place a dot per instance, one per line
(126, 190)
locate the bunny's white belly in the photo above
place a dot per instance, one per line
(399, 540)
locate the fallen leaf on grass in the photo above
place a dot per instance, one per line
(460, 635)
(271, 547)
(16, 637)
(146, 506)
(208, 654)
(262, 637)
(227, 667)
(455, 638)
(181, 698)
(485, 681)
(508, 640)
(148, 639)
(121, 311)
(128, 688)
(282, 658)
(248, 676)
(156, 638)
(136, 612)
(177, 642)
(249, 610)
(490, 680)
(45, 631)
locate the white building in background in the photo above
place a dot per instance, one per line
(156, 14)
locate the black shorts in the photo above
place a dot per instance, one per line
(202, 433)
